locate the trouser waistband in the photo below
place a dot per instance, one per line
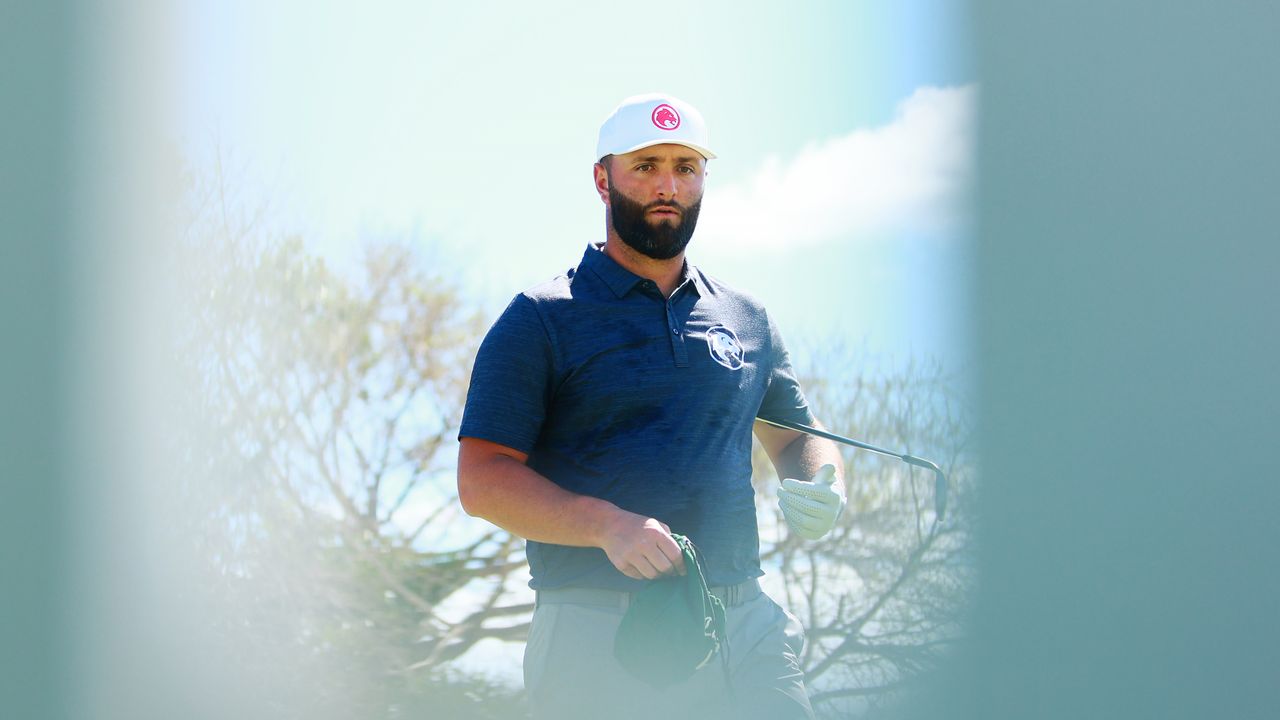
(730, 595)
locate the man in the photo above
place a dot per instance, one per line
(613, 406)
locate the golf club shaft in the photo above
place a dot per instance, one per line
(828, 435)
(940, 479)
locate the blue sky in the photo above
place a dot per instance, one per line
(843, 131)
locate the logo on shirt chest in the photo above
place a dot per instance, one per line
(724, 346)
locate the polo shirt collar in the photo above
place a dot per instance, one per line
(621, 280)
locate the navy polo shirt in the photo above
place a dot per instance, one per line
(616, 392)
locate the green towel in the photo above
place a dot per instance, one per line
(673, 626)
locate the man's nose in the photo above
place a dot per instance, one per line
(667, 185)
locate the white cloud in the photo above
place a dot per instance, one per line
(910, 176)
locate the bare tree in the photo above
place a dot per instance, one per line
(318, 471)
(883, 595)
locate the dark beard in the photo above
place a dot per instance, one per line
(661, 242)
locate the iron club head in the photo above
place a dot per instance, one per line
(939, 483)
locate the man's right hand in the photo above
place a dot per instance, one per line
(642, 548)
(496, 483)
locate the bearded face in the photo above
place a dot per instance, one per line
(662, 238)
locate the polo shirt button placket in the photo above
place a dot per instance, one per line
(677, 340)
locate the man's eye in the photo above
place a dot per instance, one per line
(644, 168)
(686, 169)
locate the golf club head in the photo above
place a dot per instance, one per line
(939, 494)
(939, 483)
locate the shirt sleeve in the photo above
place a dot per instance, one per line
(783, 397)
(511, 380)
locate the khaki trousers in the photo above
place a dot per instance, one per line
(570, 671)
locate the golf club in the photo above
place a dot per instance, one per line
(939, 479)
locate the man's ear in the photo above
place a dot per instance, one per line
(602, 181)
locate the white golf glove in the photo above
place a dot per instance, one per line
(811, 508)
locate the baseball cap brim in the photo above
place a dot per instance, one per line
(664, 141)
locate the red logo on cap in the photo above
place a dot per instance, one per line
(666, 117)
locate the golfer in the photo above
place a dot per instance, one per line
(613, 406)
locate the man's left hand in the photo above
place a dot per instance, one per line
(811, 507)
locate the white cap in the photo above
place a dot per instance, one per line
(653, 119)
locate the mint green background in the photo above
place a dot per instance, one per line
(35, 208)
(1126, 285)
